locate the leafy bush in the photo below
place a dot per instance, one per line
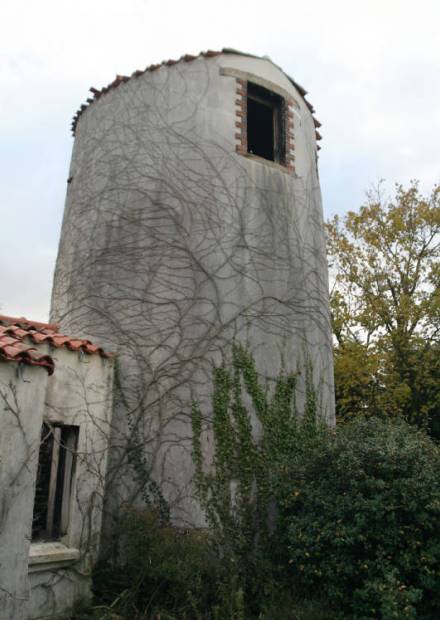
(162, 569)
(170, 574)
(362, 520)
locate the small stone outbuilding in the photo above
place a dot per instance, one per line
(55, 412)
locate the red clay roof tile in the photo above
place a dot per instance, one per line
(17, 333)
(120, 79)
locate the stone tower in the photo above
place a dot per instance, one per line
(193, 216)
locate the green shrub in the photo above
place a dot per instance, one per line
(362, 519)
(171, 574)
(161, 570)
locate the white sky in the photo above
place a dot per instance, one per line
(372, 70)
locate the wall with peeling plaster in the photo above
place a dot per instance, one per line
(173, 244)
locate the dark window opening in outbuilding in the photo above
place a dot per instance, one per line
(265, 124)
(56, 464)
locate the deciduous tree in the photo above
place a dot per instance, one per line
(385, 262)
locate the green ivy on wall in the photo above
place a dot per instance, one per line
(255, 428)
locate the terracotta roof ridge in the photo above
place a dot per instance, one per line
(16, 332)
(22, 321)
(25, 355)
(121, 79)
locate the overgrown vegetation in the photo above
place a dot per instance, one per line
(256, 429)
(305, 522)
(363, 520)
(163, 573)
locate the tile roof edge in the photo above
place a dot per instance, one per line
(51, 333)
(22, 321)
(121, 79)
(25, 357)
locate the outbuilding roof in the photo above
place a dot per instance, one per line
(17, 335)
(121, 79)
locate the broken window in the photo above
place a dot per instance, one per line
(265, 124)
(56, 465)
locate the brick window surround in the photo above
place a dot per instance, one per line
(241, 147)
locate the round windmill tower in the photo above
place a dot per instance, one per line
(193, 217)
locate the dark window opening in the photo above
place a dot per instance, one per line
(56, 464)
(265, 124)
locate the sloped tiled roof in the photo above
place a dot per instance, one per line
(18, 335)
(121, 79)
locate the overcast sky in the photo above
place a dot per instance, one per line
(372, 70)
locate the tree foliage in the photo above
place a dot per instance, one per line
(385, 304)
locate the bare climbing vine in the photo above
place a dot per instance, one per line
(171, 247)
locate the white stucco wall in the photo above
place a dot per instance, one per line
(44, 579)
(173, 244)
(79, 394)
(22, 394)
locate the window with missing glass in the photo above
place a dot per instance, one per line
(55, 475)
(266, 135)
